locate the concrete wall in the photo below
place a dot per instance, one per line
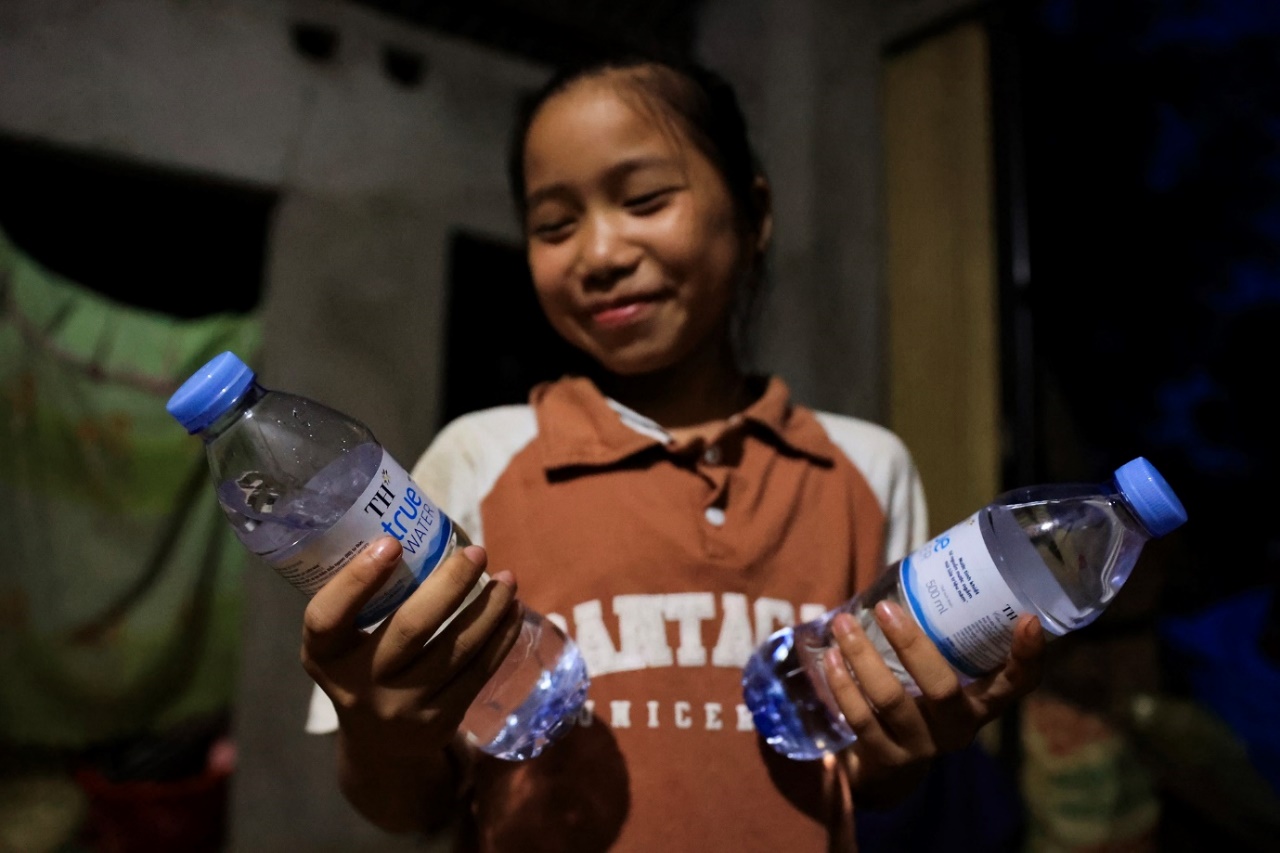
(807, 71)
(372, 175)
(809, 74)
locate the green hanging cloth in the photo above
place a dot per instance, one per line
(120, 582)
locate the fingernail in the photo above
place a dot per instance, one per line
(384, 549)
(889, 615)
(504, 576)
(842, 624)
(475, 554)
(834, 659)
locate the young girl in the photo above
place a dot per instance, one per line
(671, 509)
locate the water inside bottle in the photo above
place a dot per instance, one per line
(1044, 550)
(793, 708)
(273, 519)
(538, 691)
(535, 696)
(1064, 559)
(784, 683)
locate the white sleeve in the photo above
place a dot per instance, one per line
(322, 719)
(456, 471)
(460, 467)
(885, 462)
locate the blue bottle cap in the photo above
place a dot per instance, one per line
(210, 392)
(1151, 496)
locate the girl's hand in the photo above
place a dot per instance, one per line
(899, 734)
(395, 694)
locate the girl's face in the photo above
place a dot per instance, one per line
(633, 240)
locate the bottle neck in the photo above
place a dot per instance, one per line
(234, 413)
(1130, 515)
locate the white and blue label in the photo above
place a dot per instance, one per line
(392, 504)
(958, 596)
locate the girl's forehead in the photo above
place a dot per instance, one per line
(614, 102)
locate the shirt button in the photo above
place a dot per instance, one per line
(711, 455)
(715, 516)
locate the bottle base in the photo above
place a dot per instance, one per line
(547, 715)
(787, 708)
(534, 698)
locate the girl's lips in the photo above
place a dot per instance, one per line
(621, 315)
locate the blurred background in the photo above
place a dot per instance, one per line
(1037, 239)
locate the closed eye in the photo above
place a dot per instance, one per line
(552, 230)
(650, 202)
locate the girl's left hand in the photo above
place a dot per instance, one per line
(899, 734)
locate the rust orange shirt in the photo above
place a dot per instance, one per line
(667, 563)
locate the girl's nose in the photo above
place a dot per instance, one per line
(605, 254)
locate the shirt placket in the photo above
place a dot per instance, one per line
(714, 468)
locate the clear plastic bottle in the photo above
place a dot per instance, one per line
(1059, 551)
(306, 488)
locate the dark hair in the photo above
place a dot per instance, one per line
(705, 106)
(700, 99)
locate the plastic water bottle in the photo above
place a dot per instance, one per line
(306, 488)
(1059, 551)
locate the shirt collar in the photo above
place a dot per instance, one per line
(581, 427)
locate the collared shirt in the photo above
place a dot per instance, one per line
(668, 562)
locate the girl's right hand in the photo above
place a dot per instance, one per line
(396, 694)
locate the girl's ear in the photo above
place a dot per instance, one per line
(762, 199)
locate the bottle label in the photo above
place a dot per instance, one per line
(391, 504)
(960, 599)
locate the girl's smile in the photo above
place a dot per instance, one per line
(625, 310)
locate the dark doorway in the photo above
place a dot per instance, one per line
(151, 237)
(499, 344)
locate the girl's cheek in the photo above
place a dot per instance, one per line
(550, 266)
(557, 305)
(544, 283)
